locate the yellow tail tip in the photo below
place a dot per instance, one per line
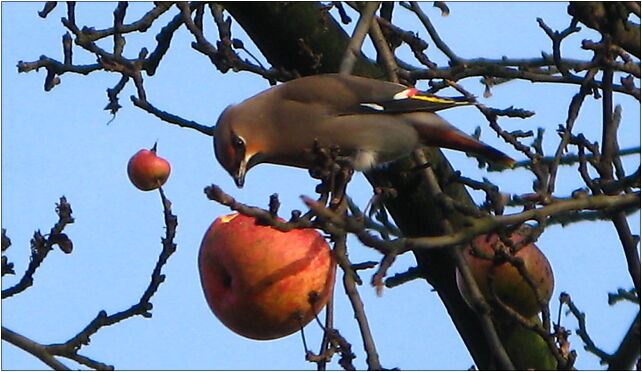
(506, 162)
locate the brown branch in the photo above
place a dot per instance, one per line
(485, 68)
(326, 339)
(416, 44)
(488, 224)
(55, 68)
(223, 57)
(629, 244)
(570, 159)
(70, 348)
(384, 54)
(557, 38)
(573, 112)
(629, 350)
(119, 17)
(609, 127)
(476, 226)
(624, 295)
(624, 183)
(7, 267)
(140, 25)
(439, 43)
(608, 154)
(40, 247)
(216, 194)
(49, 6)
(350, 286)
(112, 95)
(33, 348)
(354, 46)
(589, 345)
(171, 118)
(163, 39)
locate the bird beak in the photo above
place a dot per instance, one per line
(250, 160)
(239, 177)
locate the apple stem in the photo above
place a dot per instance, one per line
(153, 149)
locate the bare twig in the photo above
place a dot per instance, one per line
(384, 54)
(439, 43)
(171, 118)
(573, 111)
(623, 295)
(354, 46)
(40, 247)
(488, 224)
(70, 348)
(629, 244)
(557, 38)
(350, 287)
(589, 345)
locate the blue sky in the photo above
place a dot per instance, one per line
(63, 143)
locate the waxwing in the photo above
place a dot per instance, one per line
(370, 121)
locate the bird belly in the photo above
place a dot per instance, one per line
(364, 160)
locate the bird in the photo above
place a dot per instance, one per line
(371, 122)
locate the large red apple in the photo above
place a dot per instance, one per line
(147, 171)
(259, 281)
(508, 283)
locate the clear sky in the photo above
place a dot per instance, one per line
(63, 143)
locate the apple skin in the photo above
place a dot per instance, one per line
(526, 348)
(508, 283)
(257, 280)
(147, 171)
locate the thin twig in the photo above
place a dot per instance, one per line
(439, 43)
(350, 286)
(583, 333)
(384, 54)
(171, 118)
(70, 348)
(354, 46)
(40, 247)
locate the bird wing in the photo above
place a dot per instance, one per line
(352, 95)
(409, 100)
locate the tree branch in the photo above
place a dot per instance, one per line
(33, 348)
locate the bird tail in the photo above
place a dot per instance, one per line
(435, 131)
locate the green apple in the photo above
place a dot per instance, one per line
(509, 285)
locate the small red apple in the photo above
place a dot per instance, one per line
(508, 283)
(259, 281)
(147, 171)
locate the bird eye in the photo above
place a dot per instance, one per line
(238, 142)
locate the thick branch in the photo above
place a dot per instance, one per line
(629, 350)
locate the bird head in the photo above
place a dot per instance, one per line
(232, 145)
